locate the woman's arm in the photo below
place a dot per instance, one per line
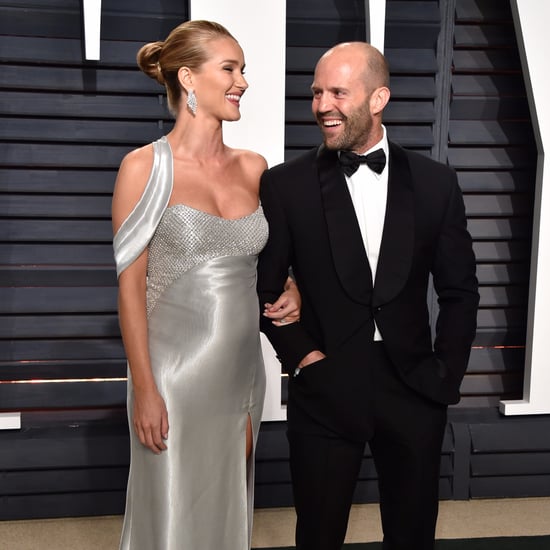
(150, 417)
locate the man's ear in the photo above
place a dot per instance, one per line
(379, 99)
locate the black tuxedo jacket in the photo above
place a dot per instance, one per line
(313, 229)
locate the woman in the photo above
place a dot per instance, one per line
(188, 229)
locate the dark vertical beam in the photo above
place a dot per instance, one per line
(442, 106)
(461, 461)
(443, 80)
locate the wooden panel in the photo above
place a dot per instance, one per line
(503, 296)
(488, 108)
(52, 206)
(56, 180)
(272, 471)
(321, 32)
(129, 81)
(395, 10)
(52, 254)
(309, 136)
(491, 229)
(480, 10)
(511, 464)
(73, 105)
(496, 182)
(81, 394)
(74, 156)
(503, 274)
(477, 402)
(65, 326)
(420, 87)
(503, 318)
(412, 61)
(499, 336)
(491, 158)
(510, 487)
(273, 444)
(488, 85)
(94, 443)
(115, 25)
(406, 32)
(62, 350)
(65, 51)
(487, 384)
(334, 11)
(63, 505)
(74, 480)
(499, 205)
(90, 231)
(45, 22)
(509, 251)
(80, 131)
(496, 360)
(119, 19)
(75, 369)
(489, 132)
(302, 58)
(299, 110)
(486, 60)
(475, 36)
(66, 276)
(511, 437)
(269, 495)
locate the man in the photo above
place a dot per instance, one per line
(362, 366)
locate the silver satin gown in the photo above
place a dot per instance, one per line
(206, 357)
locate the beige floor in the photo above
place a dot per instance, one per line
(274, 527)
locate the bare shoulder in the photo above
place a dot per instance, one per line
(252, 163)
(135, 167)
(131, 180)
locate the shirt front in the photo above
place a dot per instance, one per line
(369, 193)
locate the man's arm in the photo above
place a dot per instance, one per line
(454, 275)
(291, 342)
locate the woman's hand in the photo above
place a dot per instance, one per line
(286, 309)
(151, 419)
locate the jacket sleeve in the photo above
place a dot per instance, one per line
(291, 342)
(455, 282)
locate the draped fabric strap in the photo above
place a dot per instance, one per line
(139, 227)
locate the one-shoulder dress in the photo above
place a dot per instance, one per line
(204, 343)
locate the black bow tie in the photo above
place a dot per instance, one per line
(350, 161)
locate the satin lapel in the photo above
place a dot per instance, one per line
(396, 248)
(346, 243)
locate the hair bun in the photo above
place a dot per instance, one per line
(148, 58)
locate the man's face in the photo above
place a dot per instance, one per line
(341, 101)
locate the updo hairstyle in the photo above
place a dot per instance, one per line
(185, 46)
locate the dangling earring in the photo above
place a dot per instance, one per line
(192, 101)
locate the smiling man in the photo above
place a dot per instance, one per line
(363, 223)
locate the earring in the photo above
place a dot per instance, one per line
(192, 101)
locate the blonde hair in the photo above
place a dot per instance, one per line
(185, 46)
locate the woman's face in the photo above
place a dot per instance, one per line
(220, 84)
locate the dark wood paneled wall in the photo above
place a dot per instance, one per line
(491, 144)
(65, 124)
(457, 95)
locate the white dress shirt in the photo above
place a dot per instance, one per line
(369, 192)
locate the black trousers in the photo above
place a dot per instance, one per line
(406, 446)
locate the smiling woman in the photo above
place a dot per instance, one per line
(188, 229)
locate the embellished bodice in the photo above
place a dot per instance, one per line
(186, 237)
